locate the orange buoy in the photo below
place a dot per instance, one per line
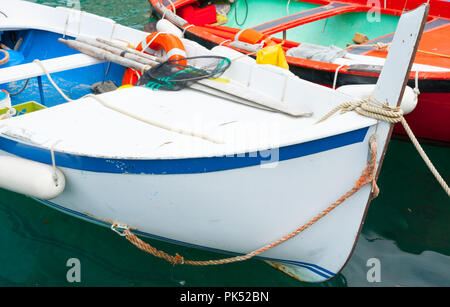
(253, 37)
(171, 44)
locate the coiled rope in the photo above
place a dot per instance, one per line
(374, 109)
(367, 177)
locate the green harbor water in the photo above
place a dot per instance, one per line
(407, 228)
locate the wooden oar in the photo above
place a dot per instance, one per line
(121, 52)
(130, 50)
(106, 56)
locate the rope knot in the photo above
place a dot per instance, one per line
(177, 260)
(382, 46)
(351, 106)
(121, 230)
(370, 108)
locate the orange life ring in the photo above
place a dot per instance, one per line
(171, 45)
(253, 37)
(130, 77)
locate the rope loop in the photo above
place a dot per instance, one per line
(117, 227)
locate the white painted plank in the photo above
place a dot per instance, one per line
(255, 96)
(30, 70)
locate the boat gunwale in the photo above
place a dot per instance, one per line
(178, 165)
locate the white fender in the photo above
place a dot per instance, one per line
(363, 91)
(30, 178)
(164, 25)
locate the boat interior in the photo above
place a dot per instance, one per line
(72, 71)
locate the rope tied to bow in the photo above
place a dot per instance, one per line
(370, 108)
(374, 109)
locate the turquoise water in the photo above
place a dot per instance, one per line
(407, 229)
(132, 13)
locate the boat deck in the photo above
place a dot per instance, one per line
(199, 125)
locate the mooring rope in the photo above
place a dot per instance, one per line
(367, 177)
(374, 109)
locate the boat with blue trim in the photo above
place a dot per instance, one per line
(214, 169)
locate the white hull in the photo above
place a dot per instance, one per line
(238, 210)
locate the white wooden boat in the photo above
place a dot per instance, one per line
(188, 167)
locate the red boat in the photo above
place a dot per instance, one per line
(340, 23)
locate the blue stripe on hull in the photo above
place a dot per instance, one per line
(178, 166)
(311, 267)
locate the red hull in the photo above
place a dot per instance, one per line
(430, 119)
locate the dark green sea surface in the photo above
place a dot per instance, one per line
(407, 228)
